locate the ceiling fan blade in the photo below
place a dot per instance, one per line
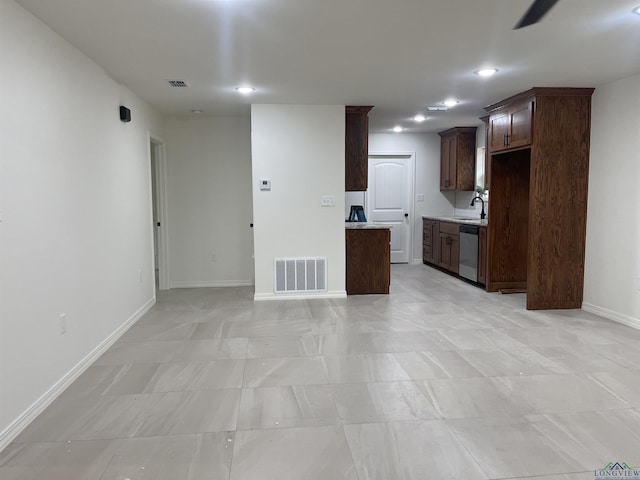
(537, 10)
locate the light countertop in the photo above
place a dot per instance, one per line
(461, 220)
(366, 226)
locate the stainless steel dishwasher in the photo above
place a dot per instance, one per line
(468, 266)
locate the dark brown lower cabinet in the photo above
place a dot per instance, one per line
(368, 260)
(441, 247)
(430, 236)
(449, 246)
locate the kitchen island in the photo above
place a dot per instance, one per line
(368, 258)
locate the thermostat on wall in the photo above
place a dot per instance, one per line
(265, 184)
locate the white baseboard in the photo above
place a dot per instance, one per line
(224, 283)
(20, 423)
(259, 297)
(611, 315)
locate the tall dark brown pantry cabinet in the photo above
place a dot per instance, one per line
(539, 163)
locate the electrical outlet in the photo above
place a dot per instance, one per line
(63, 323)
(213, 257)
(140, 276)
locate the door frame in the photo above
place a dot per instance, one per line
(157, 154)
(412, 185)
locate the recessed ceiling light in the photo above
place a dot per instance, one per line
(397, 129)
(486, 72)
(636, 10)
(245, 90)
(452, 102)
(419, 118)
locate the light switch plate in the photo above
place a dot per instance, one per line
(328, 201)
(420, 197)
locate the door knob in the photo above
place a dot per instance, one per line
(406, 215)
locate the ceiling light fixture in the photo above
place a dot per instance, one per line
(245, 90)
(486, 72)
(419, 118)
(197, 111)
(636, 10)
(452, 102)
(397, 129)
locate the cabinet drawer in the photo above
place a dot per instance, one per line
(450, 228)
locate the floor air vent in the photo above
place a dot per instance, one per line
(308, 274)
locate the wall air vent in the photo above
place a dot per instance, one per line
(178, 83)
(308, 274)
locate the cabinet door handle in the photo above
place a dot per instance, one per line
(505, 140)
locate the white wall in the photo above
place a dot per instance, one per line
(209, 201)
(76, 213)
(300, 148)
(612, 264)
(427, 176)
(463, 199)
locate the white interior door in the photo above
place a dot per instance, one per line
(389, 199)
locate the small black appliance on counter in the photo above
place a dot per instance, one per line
(357, 214)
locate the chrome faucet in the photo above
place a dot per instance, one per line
(482, 214)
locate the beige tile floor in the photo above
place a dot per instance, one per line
(438, 380)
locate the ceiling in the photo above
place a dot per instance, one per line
(398, 55)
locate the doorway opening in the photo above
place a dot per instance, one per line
(159, 220)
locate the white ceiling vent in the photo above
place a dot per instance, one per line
(178, 83)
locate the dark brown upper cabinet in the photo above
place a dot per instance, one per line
(356, 152)
(510, 127)
(458, 159)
